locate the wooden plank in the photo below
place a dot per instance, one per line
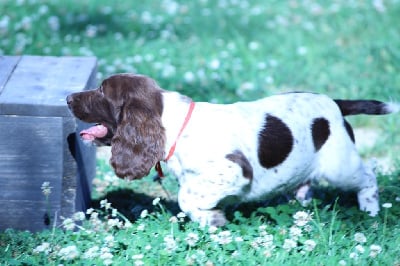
(31, 152)
(40, 84)
(38, 140)
(26, 214)
(7, 66)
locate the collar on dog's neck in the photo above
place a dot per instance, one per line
(172, 149)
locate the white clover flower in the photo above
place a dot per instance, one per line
(138, 257)
(273, 62)
(79, 216)
(146, 17)
(309, 245)
(109, 240)
(68, 224)
(212, 229)
(114, 223)
(168, 71)
(156, 201)
(342, 262)
(26, 23)
(4, 22)
(268, 240)
(254, 45)
(107, 262)
(141, 227)
(54, 23)
(127, 225)
(224, 237)
(268, 252)
(181, 215)
(103, 203)
(379, 5)
(44, 247)
(144, 214)
(360, 249)
(302, 50)
(43, 9)
(192, 239)
(295, 232)
(374, 250)
(247, 86)
(94, 215)
(138, 263)
(301, 218)
(214, 64)
(289, 244)
(262, 227)
(46, 188)
(353, 256)
(91, 253)
(91, 31)
(189, 77)
(239, 239)
(387, 205)
(68, 253)
(173, 219)
(106, 257)
(170, 243)
(360, 238)
(269, 80)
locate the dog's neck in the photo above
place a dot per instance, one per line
(175, 111)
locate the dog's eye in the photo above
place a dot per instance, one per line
(101, 90)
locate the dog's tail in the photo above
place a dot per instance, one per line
(367, 107)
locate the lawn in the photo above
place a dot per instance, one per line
(223, 51)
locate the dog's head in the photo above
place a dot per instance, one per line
(126, 110)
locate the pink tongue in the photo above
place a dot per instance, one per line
(91, 133)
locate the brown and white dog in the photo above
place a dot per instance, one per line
(224, 153)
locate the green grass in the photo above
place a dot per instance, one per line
(221, 51)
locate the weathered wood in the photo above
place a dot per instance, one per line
(7, 66)
(40, 81)
(38, 140)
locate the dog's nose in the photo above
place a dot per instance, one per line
(69, 99)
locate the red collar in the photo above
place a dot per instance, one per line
(172, 149)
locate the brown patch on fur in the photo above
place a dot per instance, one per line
(320, 132)
(239, 158)
(275, 142)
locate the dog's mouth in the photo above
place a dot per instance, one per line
(95, 132)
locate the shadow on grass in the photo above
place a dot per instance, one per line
(131, 203)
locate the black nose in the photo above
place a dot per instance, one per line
(69, 99)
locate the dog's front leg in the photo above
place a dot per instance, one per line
(202, 196)
(200, 205)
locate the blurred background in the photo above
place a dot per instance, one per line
(221, 50)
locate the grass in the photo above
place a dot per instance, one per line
(221, 51)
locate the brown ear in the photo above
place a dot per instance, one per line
(139, 141)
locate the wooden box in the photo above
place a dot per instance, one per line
(38, 142)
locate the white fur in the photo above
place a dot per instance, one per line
(208, 179)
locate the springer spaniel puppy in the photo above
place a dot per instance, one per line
(229, 153)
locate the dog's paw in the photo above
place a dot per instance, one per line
(304, 195)
(214, 218)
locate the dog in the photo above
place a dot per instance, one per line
(229, 153)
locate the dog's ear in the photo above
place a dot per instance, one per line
(139, 141)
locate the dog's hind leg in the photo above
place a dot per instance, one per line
(304, 194)
(368, 197)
